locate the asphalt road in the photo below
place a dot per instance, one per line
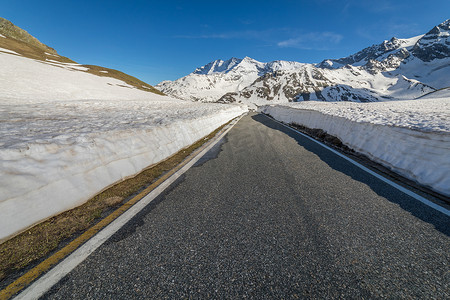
(270, 214)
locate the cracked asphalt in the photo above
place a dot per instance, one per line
(270, 214)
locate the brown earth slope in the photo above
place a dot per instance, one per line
(20, 41)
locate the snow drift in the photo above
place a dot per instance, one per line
(54, 160)
(410, 137)
(67, 134)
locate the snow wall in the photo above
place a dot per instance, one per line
(419, 156)
(46, 188)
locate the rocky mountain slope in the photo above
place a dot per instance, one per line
(393, 70)
(14, 40)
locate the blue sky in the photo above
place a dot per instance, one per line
(165, 40)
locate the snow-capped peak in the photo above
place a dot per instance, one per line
(210, 82)
(435, 44)
(246, 64)
(377, 52)
(394, 69)
(218, 66)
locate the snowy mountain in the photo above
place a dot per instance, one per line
(425, 58)
(394, 48)
(435, 44)
(393, 70)
(210, 82)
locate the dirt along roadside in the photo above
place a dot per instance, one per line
(30, 248)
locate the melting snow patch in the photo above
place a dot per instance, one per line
(68, 66)
(9, 51)
(51, 54)
(26, 79)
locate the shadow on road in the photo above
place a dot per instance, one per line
(440, 221)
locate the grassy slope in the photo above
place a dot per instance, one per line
(20, 41)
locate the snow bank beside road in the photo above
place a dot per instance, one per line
(59, 147)
(409, 137)
(55, 155)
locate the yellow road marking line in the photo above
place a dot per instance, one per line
(34, 273)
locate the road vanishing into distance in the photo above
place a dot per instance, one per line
(268, 213)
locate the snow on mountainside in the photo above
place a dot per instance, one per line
(375, 52)
(210, 82)
(425, 58)
(15, 40)
(312, 83)
(435, 44)
(218, 66)
(393, 70)
(25, 79)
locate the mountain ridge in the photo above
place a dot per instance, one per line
(209, 82)
(395, 69)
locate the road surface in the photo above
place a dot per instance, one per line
(270, 214)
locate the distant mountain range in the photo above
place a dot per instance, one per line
(393, 70)
(210, 82)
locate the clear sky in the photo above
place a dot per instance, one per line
(165, 40)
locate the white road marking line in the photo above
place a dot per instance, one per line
(52, 277)
(393, 184)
